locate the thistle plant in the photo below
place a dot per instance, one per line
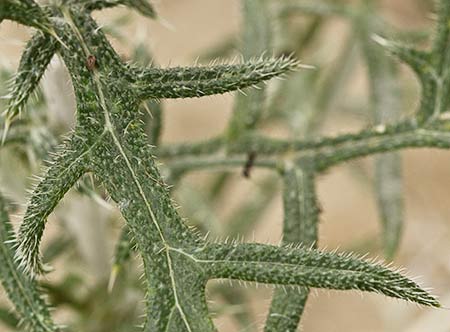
(110, 142)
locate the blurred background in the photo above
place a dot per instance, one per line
(81, 236)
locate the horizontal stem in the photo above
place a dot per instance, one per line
(142, 6)
(190, 82)
(323, 153)
(208, 163)
(190, 149)
(273, 146)
(26, 12)
(419, 138)
(310, 268)
(327, 152)
(318, 8)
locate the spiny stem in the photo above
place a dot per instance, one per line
(256, 40)
(300, 227)
(21, 290)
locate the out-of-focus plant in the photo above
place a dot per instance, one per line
(113, 148)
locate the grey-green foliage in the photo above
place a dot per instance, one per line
(300, 226)
(386, 108)
(109, 141)
(21, 289)
(256, 39)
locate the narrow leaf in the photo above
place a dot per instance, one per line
(419, 61)
(35, 59)
(204, 81)
(256, 40)
(422, 64)
(389, 185)
(141, 6)
(441, 56)
(385, 102)
(301, 216)
(322, 8)
(21, 290)
(68, 168)
(310, 268)
(26, 12)
(441, 44)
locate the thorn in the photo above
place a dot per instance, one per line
(380, 40)
(305, 66)
(113, 277)
(166, 24)
(6, 129)
(51, 31)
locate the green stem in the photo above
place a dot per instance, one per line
(301, 217)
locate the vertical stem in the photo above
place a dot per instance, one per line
(441, 57)
(152, 108)
(388, 187)
(442, 39)
(385, 104)
(256, 40)
(301, 216)
(21, 289)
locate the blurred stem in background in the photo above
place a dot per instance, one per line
(385, 99)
